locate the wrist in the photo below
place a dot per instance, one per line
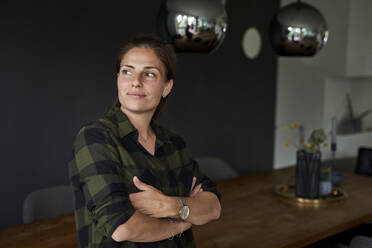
(187, 225)
(184, 225)
(175, 207)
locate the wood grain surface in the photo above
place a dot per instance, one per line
(252, 216)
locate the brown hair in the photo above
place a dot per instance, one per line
(163, 51)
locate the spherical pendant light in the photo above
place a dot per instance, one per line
(298, 29)
(193, 25)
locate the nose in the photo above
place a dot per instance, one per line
(137, 81)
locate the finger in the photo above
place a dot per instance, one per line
(133, 201)
(192, 194)
(193, 183)
(196, 190)
(133, 198)
(139, 184)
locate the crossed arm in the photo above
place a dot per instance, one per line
(147, 224)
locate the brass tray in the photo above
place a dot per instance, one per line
(288, 193)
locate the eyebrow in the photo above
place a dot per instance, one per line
(146, 67)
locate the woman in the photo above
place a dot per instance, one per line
(133, 181)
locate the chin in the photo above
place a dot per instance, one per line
(138, 109)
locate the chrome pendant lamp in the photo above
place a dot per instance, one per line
(298, 29)
(193, 25)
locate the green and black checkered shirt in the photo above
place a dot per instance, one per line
(106, 156)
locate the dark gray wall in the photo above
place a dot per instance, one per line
(57, 72)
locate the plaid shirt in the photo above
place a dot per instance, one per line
(106, 156)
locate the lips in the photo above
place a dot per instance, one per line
(136, 95)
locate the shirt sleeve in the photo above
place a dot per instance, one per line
(95, 172)
(191, 169)
(207, 184)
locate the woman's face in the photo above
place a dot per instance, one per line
(141, 81)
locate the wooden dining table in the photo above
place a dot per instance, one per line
(252, 216)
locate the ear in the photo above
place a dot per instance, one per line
(168, 88)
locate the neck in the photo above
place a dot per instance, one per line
(141, 121)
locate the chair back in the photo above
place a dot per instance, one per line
(48, 202)
(216, 168)
(364, 161)
(361, 242)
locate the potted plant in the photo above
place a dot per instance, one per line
(308, 161)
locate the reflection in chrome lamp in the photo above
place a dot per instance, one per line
(299, 33)
(193, 25)
(298, 29)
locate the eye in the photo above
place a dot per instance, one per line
(150, 74)
(126, 72)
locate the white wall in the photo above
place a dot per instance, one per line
(335, 99)
(359, 47)
(301, 80)
(362, 98)
(309, 88)
(335, 104)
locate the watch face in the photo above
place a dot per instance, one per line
(185, 211)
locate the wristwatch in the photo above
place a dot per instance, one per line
(185, 210)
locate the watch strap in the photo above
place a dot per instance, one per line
(183, 201)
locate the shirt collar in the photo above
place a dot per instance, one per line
(159, 131)
(125, 127)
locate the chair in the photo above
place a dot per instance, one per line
(47, 203)
(215, 168)
(363, 167)
(361, 242)
(364, 161)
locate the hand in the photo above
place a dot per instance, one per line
(197, 189)
(154, 203)
(150, 201)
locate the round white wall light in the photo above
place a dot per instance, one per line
(251, 42)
